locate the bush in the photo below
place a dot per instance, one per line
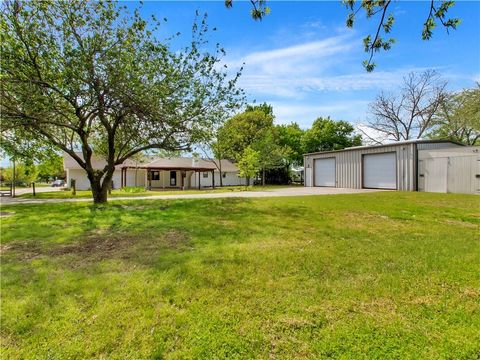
(133, 189)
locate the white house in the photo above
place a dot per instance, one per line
(159, 173)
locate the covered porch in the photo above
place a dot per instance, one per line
(167, 178)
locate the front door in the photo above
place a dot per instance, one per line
(173, 178)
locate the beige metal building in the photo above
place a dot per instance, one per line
(392, 166)
(453, 170)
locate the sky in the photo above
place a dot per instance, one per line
(303, 60)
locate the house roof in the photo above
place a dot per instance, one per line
(394, 143)
(174, 163)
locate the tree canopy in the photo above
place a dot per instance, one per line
(290, 137)
(458, 118)
(91, 77)
(412, 111)
(382, 13)
(244, 130)
(327, 134)
(278, 147)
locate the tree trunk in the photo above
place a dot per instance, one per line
(100, 193)
(263, 176)
(220, 171)
(100, 184)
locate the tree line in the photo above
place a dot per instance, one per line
(89, 78)
(259, 146)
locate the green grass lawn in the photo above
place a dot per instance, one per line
(377, 275)
(82, 194)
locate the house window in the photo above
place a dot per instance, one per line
(205, 175)
(155, 175)
(224, 175)
(173, 178)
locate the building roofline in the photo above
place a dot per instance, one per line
(397, 143)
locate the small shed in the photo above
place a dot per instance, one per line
(391, 166)
(453, 170)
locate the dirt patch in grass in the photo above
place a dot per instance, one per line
(99, 245)
(461, 223)
(6, 214)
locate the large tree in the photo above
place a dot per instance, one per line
(327, 134)
(89, 76)
(410, 113)
(243, 130)
(459, 117)
(290, 137)
(382, 12)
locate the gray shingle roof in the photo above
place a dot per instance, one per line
(167, 163)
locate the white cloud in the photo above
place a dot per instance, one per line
(305, 114)
(299, 70)
(293, 60)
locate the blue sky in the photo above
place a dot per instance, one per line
(304, 61)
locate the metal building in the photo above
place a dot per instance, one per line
(392, 166)
(453, 170)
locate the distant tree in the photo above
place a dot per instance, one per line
(270, 154)
(327, 134)
(459, 117)
(214, 151)
(248, 164)
(24, 174)
(412, 112)
(267, 109)
(290, 137)
(50, 168)
(379, 10)
(92, 76)
(242, 131)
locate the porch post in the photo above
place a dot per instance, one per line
(145, 184)
(121, 178)
(213, 179)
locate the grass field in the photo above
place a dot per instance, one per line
(378, 275)
(133, 192)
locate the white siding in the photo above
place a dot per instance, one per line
(80, 177)
(82, 182)
(230, 179)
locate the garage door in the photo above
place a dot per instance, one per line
(324, 172)
(380, 171)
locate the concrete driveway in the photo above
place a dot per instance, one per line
(281, 192)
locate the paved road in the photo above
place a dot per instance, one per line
(21, 191)
(293, 191)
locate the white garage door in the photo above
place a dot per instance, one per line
(380, 171)
(324, 172)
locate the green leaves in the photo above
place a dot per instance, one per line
(327, 134)
(459, 117)
(90, 76)
(248, 163)
(259, 8)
